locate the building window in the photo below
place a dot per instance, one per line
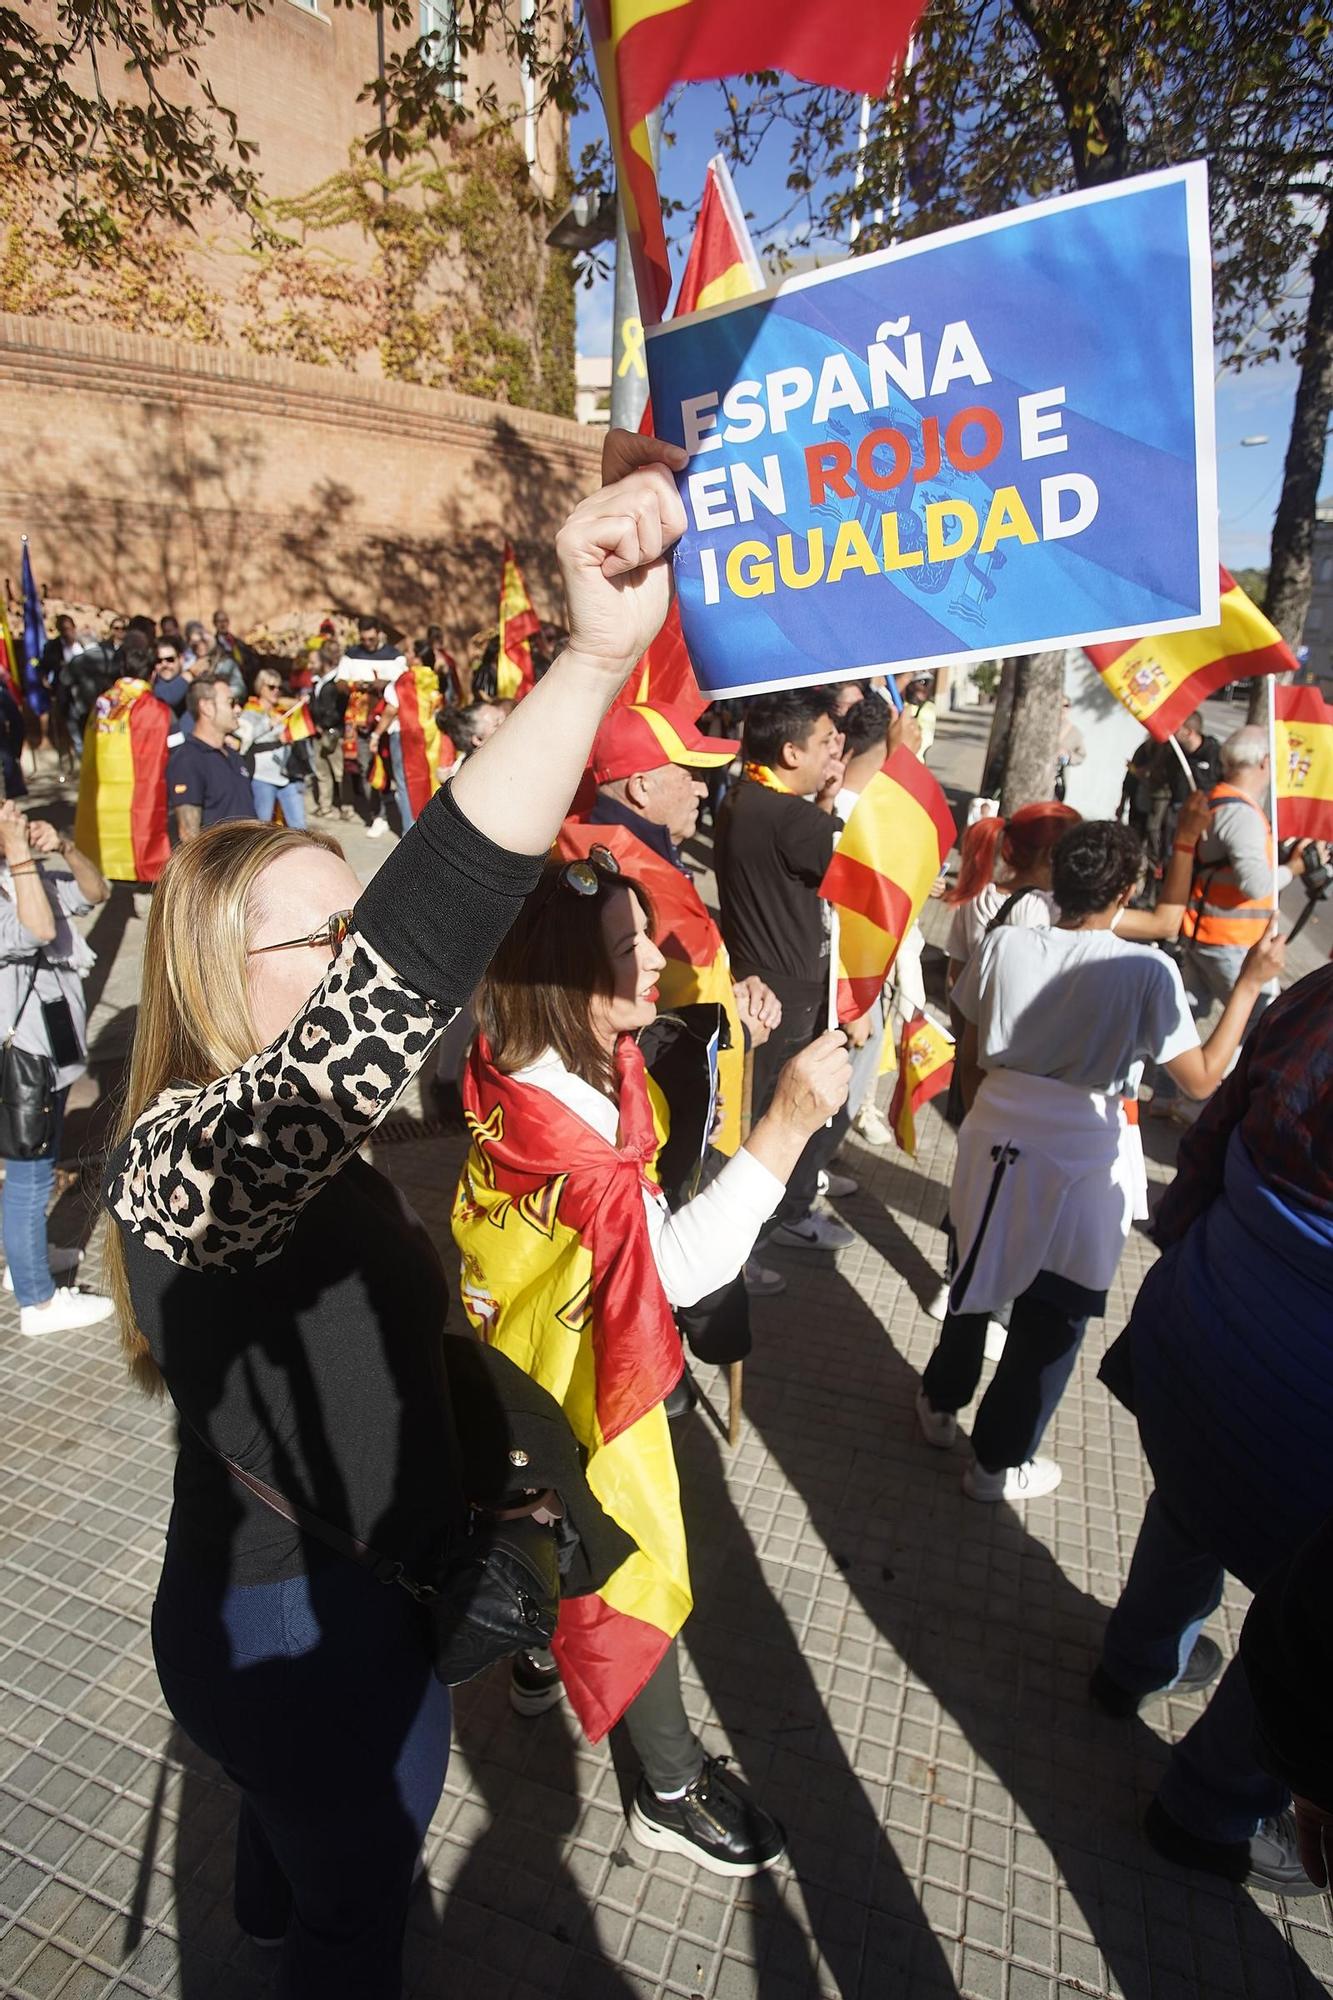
(1314, 617)
(1326, 570)
(437, 28)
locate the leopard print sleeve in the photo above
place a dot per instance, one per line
(215, 1178)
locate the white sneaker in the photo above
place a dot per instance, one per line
(837, 1187)
(62, 1264)
(996, 1335)
(65, 1308)
(1032, 1481)
(761, 1282)
(816, 1231)
(937, 1305)
(938, 1427)
(377, 829)
(872, 1126)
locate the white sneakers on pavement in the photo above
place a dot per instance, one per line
(62, 1264)
(872, 1126)
(937, 1305)
(65, 1308)
(996, 1335)
(817, 1231)
(1032, 1481)
(377, 829)
(938, 1427)
(761, 1281)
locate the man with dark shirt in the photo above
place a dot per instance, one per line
(775, 837)
(206, 780)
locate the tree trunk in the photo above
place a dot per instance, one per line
(992, 777)
(1034, 731)
(1291, 564)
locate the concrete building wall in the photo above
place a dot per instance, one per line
(154, 476)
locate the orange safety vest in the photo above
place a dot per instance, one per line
(1218, 912)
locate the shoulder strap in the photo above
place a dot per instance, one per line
(1001, 917)
(37, 963)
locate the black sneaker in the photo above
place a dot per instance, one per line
(534, 1683)
(682, 1399)
(714, 1823)
(1269, 1859)
(1201, 1669)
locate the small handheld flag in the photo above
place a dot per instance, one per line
(34, 639)
(1162, 678)
(1303, 767)
(925, 1068)
(514, 672)
(299, 724)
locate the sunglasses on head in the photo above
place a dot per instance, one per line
(582, 876)
(331, 934)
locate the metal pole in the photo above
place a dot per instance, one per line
(629, 367)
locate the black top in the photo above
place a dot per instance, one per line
(607, 811)
(216, 780)
(291, 1298)
(1287, 1647)
(772, 852)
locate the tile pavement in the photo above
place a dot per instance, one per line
(901, 1674)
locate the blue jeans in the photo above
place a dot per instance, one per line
(405, 812)
(291, 797)
(316, 1696)
(27, 1190)
(1214, 1786)
(1030, 1377)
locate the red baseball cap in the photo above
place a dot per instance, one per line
(644, 739)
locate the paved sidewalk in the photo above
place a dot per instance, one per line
(900, 1673)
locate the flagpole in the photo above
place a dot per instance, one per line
(1185, 764)
(1271, 703)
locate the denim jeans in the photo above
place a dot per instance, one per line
(1030, 1377)
(405, 812)
(27, 1190)
(1214, 1785)
(291, 797)
(316, 1696)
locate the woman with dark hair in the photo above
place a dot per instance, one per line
(1049, 1174)
(571, 1265)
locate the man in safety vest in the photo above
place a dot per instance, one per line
(1231, 900)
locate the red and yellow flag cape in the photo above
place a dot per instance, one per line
(1162, 678)
(1304, 764)
(888, 854)
(558, 1274)
(925, 1068)
(418, 692)
(121, 822)
(514, 676)
(697, 968)
(642, 47)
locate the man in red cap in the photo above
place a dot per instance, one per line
(645, 764)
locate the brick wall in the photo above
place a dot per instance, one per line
(151, 476)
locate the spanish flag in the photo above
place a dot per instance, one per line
(121, 822)
(697, 969)
(925, 1068)
(299, 724)
(557, 1272)
(9, 659)
(514, 675)
(889, 853)
(1162, 679)
(642, 47)
(419, 736)
(722, 265)
(1303, 768)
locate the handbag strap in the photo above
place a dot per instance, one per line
(37, 964)
(386, 1569)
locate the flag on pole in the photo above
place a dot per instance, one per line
(925, 1068)
(9, 657)
(642, 47)
(419, 735)
(721, 265)
(1162, 678)
(121, 822)
(299, 724)
(514, 676)
(34, 639)
(888, 854)
(1303, 767)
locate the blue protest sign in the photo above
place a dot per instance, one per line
(984, 442)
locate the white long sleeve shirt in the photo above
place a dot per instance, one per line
(704, 1244)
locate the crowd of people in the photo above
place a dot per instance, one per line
(277, 1287)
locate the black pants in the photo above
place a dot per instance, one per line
(659, 1729)
(804, 1020)
(1045, 1333)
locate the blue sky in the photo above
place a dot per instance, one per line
(1257, 403)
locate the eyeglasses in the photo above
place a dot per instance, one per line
(581, 876)
(165, 659)
(331, 934)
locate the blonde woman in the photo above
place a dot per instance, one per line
(289, 1300)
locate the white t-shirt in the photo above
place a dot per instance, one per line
(1081, 1007)
(1034, 910)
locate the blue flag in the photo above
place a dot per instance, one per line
(34, 639)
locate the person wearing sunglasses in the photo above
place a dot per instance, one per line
(287, 1299)
(556, 1203)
